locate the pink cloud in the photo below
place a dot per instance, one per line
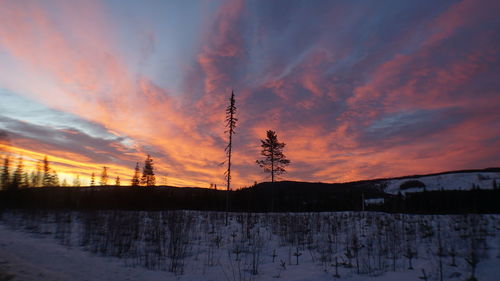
(79, 68)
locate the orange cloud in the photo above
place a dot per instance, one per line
(324, 117)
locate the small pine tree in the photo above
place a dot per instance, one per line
(47, 176)
(76, 181)
(104, 176)
(39, 177)
(18, 175)
(117, 181)
(54, 179)
(92, 179)
(5, 179)
(275, 161)
(135, 179)
(148, 175)
(33, 180)
(25, 180)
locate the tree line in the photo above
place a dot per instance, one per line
(20, 178)
(264, 197)
(16, 176)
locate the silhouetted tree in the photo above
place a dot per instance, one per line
(37, 177)
(148, 175)
(5, 179)
(231, 126)
(135, 179)
(47, 177)
(32, 179)
(18, 178)
(76, 181)
(54, 179)
(25, 181)
(92, 179)
(117, 181)
(104, 176)
(275, 161)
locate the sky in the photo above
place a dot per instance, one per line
(356, 89)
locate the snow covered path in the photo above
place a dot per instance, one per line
(30, 257)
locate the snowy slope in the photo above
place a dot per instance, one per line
(453, 181)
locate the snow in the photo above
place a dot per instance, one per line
(374, 201)
(453, 181)
(62, 245)
(34, 257)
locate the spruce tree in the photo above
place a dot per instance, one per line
(33, 179)
(36, 179)
(54, 179)
(92, 179)
(275, 161)
(76, 181)
(5, 179)
(104, 176)
(47, 177)
(25, 180)
(117, 181)
(135, 179)
(18, 175)
(148, 175)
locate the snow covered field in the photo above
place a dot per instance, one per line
(188, 245)
(452, 181)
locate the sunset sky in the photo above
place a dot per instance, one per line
(356, 89)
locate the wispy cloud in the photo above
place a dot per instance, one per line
(356, 90)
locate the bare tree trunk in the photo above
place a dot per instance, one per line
(228, 175)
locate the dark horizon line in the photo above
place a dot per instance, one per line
(484, 170)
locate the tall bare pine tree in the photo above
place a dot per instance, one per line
(274, 159)
(231, 126)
